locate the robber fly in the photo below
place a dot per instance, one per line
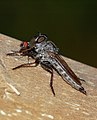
(46, 54)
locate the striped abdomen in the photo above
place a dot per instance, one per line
(65, 72)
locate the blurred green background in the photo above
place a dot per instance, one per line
(72, 25)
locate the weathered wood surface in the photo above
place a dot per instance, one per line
(36, 101)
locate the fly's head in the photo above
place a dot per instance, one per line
(30, 48)
(24, 46)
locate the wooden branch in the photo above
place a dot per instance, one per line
(25, 93)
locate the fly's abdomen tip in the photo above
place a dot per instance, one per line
(82, 90)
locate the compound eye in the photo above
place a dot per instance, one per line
(24, 44)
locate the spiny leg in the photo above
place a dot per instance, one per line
(27, 65)
(50, 70)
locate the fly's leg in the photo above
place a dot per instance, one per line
(27, 65)
(48, 68)
(51, 82)
(14, 53)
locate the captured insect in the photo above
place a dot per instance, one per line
(46, 54)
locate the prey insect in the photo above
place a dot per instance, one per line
(46, 54)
